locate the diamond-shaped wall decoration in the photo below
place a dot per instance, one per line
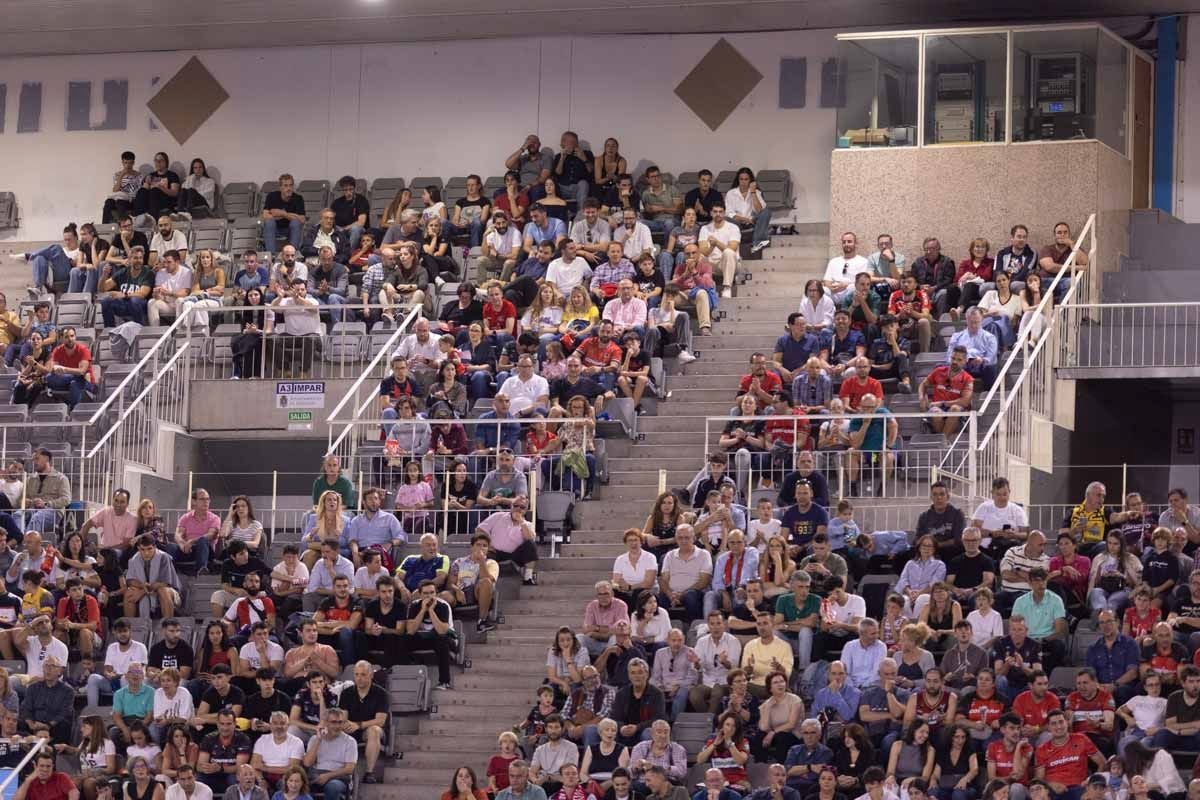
(189, 98)
(715, 86)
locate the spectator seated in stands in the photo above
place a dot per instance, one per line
(44, 782)
(675, 671)
(76, 621)
(33, 556)
(326, 523)
(197, 533)
(553, 758)
(1062, 761)
(151, 578)
(1017, 660)
(608, 274)
(1046, 616)
(311, 705)
(662, 203)
(338, 618)
(332, 756)
(803, 520)
(329, 283)
(890, 355)
(1052, 261)
(326, 234)
(300, 342)
(718, 652)
(964, 659)
(18, 337)
(115, 522)
(527, 392)
(373, 530)
(718, 242)
(746, 208)
(1002, 310)
(981, 346)
(48, 708)
(1006, 524)
(948, 388)
(278, 751)
(70, 370)
(429, 627)
(919, 576)
(173, 704)
(132, 703)
(331, 566)
(634, 237)
(53, 263)
(283, 209)
(121, 654)
(837, 700)
(795, 349)
(259, 652)
(172, 283)
(368, 711)
(310, 654)
(731, 572)
(563, 274)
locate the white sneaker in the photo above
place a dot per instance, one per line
(686, 357)
(727, 292)
(18, 257)
(762, 245)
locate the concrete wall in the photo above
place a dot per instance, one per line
(439, 109)
(247, 409)
(959, 192)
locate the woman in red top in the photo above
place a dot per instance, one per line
(538, 437)
(974, 275)
(728, 751)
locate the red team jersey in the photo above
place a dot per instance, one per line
(1088, 715)
(947, 388)
(1031, 711)
(1067, 764)
(1003, 758)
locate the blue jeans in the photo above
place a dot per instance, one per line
(479, 384)
(663, 224)
(83, 280)
(573, 191)
(98, 684)
(130, 308)
(591, 735)
(47, 261)
(271, 233)
(762, 226)
(474, 231)
(355, 232)
(679, 702)
(74, 385)
(332, 303)
(1001, 329)
(667, 262)
(1009, 691)
(42, 520)
(983, 371)
(1164, 739)
(201, 552)
(692, 601)
(335, 789)
(343, 643)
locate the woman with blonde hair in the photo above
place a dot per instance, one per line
(974, 276)
(398, 205)
(580, 318)
(208, 288)
(775, 568)
(329, 520)
(544, 316)
(912, 659)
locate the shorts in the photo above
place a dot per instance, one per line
(468, 595)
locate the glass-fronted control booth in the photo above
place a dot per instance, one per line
(986, 85)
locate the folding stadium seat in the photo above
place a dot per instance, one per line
(8, 210)
(726, 180)
(687, 181)
(74, 309)
(13, 413)
(48, 419)
(776, 188)
(382, 192)
(418, 185)
(245, 233)
(492, 185)
(208, 234)
(344, 344)
(222, 339)
(106, 230)
(316, 197)
(456, 189)
(267, 188)
(239, 200)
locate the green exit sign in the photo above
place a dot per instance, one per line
(300, 416)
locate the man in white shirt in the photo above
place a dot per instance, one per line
(166, 239)
(841, 270)
(278, 751)
(186, 787)
(259, 652)
(301, 339)
(633, 235)
(420, 350)
(501, 248)
(686, 574)
(172, 282)
(571, 269)
(744, 206)
(1002, 523)
(117, 660)
(840, 614)
(43, 645)
(719, 242)
(528, 392)
(591, 233)
(716, 653)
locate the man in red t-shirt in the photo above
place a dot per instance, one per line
(761, 382)
(1063, 760)
(44, 783)
(911, 306)
(1010, 756)
(499, 317)
(601, 357)
(947, 388)
(1092, 710)
(77, 619)
(1034, 705)
(71, 368)
(337, 618)
(861, 383)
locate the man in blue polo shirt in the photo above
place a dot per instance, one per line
(374, 527)
(428, 565)
(794, 348)
(803, 521)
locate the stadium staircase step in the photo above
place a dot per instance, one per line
(499, 688)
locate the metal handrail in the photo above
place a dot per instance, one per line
(24, 762)
(137, 400)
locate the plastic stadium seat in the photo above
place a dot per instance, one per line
(48, 419)
(418, 185)
(25, 306)
(8, 210)
(726, 179)
(344, 344)
(381, 194)
(106, 230)
(687, 181)
(239, 200)
(316, 197)
(456, 189)
(776, 187)
(74, 309)
(13, 413)
(267, 188)
(492, 185)
(245, 233)
(222, 340)
(208, 234)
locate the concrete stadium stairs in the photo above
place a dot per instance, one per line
(498, 690)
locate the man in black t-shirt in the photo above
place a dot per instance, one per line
(237, 565)
(1185, 612)
(429, 627)
(171, 652)
(337, 618)
(283, 209)
(13, 746)
(703, 197)
(221, 752)
(943, 522)
(563, 389)
(260, 705)
(971, 571)
(1015, 658)
(367, 708)
(124, 293)
(124, 242)
(383, 621)
(350, 210)
(221, 694)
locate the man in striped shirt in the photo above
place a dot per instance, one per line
(1015, 567)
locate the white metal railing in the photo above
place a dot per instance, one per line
(853, 474)
(14, 774)
(1130, 335)
(1031, 365)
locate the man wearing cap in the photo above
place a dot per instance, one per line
(513, 538)
(133, 701)
(49, 705)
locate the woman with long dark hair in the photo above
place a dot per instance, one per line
(241, 526)
(257, 322)
(852, 758)
(447, 390)
(1156, 766)
(460, 495)
(160, 189)
(215, 648)
(565, 659)
(464, 786)
(912, 756)
(658, 533)
(198, 196)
